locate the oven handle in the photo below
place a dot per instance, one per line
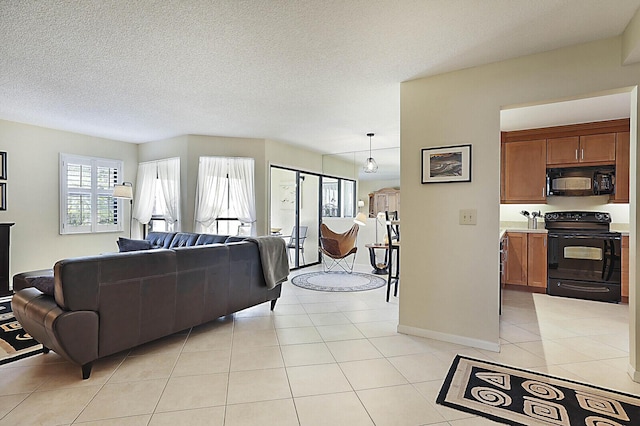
(585, 289)
(585, 237)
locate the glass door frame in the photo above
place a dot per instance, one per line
(300, 174)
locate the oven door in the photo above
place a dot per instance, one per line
(585, 266)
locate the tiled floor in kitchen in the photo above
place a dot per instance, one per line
(318, 359)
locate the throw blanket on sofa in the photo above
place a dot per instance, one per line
(274, 259)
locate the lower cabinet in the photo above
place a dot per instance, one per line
(526, 259)
(624, 270)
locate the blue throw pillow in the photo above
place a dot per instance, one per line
(125, 244)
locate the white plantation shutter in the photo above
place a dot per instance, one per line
(86, 188)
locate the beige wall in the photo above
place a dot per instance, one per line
(450, 272)
(33, 200)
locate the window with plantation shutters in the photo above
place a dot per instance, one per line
(86, 188)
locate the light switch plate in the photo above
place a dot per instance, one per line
(468, 217)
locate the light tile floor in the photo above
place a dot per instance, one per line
(318, 359)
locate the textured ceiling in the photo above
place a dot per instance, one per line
(315, 73)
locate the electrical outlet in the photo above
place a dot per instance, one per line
(468, 217)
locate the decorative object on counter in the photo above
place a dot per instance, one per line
(520, 397)
(532, 219)
(446, 164)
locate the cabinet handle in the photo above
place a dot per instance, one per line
(582, 154)
(576, 154)
(543, 192)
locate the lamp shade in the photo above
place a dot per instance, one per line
(361, 219)
(125, 190)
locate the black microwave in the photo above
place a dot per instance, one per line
(581, 181)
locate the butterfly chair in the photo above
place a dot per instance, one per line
(337, 247)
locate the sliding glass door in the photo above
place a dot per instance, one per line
(298, 202)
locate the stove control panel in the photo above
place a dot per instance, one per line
(597, 217)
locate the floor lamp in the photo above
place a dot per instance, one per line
(125, 191)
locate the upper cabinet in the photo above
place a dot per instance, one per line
(622, 168)
(523, 178)
(585, 150)
(524, 171)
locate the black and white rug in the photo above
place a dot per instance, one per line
(520, 397)
(338, 281)
(15, 343)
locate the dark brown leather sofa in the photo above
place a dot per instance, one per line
(113, 302)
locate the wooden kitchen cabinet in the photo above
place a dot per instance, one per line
(582, 150)
(523, 178)
(526, 259)
(624, 270)
(622, 169)
(537, 260)
(515, 270)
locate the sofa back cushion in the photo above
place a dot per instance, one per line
(183, 239)
(211, 239)
(160, 239)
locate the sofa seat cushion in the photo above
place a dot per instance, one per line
(44, 283)
(26, 279)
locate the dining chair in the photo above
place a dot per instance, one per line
(291, 245)
(393, 246)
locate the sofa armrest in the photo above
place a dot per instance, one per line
(71, 334)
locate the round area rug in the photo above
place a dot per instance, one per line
(338, 281)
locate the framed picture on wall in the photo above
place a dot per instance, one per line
(3, 196)
(446, 164)
(3, 165)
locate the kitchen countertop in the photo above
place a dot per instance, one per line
(517, 226)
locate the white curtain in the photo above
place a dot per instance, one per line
(145, 195)
(242, 190)
(210, 191)
(169, 181)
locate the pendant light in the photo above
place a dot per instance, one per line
(370, 165)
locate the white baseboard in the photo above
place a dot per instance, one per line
(451, 338)
(633, 373)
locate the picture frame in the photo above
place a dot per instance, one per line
(446, 164)
(3, 196)
(3, 165)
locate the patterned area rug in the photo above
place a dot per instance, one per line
(15, 344)
(519, 397)
(338, 281)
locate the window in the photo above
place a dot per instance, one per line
(86, 188)
(157, 202)
(338, 197)
(225, 198)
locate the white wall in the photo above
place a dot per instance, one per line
(33, 193)
(449, 271)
